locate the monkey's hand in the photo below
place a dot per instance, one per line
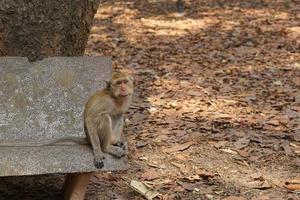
(98, 161)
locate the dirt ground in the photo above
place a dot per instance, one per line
(216, 112)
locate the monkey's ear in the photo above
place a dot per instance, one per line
(108, 84)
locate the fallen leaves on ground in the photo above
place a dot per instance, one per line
(217, 94)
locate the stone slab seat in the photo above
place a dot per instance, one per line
(45, 100)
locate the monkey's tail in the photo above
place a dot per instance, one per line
(68, 140)
(21, 144)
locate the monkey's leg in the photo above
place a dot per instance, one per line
(117, 131)
(106, 136)
(93, 138)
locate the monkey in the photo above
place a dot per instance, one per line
(103, 121)
(104, 117)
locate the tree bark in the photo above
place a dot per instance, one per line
(39, 28)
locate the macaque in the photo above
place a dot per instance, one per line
(103, 117)
(103, 121)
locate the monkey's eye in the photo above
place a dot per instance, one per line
(121, 81)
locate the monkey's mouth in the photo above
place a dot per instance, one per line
(123, 95)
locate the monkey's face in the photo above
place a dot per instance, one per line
(122, 86)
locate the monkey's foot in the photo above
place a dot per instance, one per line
(116, 151)
(121, 145)
(98, 162)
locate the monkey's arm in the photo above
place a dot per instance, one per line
(93, 138)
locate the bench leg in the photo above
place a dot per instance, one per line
(75, 185)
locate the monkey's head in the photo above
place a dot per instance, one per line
(120, 85)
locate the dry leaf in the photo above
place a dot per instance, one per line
(273, 122)
(206, 174)
(220, 144)
(150, 175)
(296, 81)
(160, 138)
(142, 189)
(192, 178)
(154, 165)
(242, 143)
(296, 148)
(140, 144)
(153, 110)
(277, 83)
(263, 185)
(182, 157)
(228, 151)
(287, 149)
(296, 135)
(293, 184)
(178, 147)
(183, 169)
(165, 197)
(296, 108)
(194, 93)
(186, 186)
(243, 152)
(262, 197)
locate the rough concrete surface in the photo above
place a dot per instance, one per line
(45, 100)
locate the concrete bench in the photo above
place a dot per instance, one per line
(45, 100)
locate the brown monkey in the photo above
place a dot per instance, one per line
(103, 120)
(103, 117)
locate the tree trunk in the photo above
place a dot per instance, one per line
(41, 28)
